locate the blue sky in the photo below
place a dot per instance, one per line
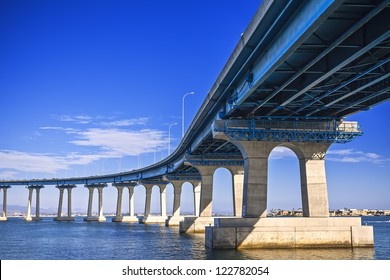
(91, 87)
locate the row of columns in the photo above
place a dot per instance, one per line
(250, 191)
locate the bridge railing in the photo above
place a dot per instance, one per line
(288, 130)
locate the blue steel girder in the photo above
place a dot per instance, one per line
(329, 131)
(351, 40)
(215, 160)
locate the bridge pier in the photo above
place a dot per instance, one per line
(69, 217)
(314, 229)
(204, 215)
(118, 216)
(148, 218)
(3, 216)
(37, 203)
(100, 217)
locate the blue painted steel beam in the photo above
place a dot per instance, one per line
(332, 46)
(383, 91)
(305, 21)
(336, 68)
(381, 78)
(344, 84)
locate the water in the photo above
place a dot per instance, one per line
(49, 240)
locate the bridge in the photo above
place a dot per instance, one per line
(297, 71)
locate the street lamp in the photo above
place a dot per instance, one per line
(182, 112)
(169, 137)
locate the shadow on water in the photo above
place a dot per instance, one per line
(294, 254)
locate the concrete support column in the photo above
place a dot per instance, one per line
(163, 200)
(28, 214)
(313, 179)
(197, 187)
(3, 216)
(177, 188)
(69, 202)
(119, 201)
(4, 213)
(38, 202)
(148, 199)
(59, 213)
(206, 191)
(100, 191)
(131, 200)
(238, 189)
(90, 200)
(255, 156)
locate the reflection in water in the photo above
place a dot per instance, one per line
(48, 240)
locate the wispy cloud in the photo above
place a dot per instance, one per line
(281, 153)
(126, 122)
(81, 119)
(352, 156)
(122, 142)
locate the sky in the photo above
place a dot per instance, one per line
(92, 87)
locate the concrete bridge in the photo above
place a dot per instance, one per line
(298, 70)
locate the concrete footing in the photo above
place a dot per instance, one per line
(64, 219)
(153, 219)
(3, 219)
(236, 233)
(174, 220)
(29, 219)
(125, 219)
(94, 219)
(195, 224)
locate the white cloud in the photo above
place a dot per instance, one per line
(30, 162)
(126, 122)
(82, 119)
(281, 152)
(352, 156)
(122, 142)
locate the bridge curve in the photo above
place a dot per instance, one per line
(297, 71)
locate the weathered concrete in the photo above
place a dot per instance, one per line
(288, 233)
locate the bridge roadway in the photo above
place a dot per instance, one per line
(297, 71)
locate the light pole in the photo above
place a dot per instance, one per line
(169, 137)
(182, 112)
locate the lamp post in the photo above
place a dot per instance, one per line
(182, 112)
(169, 137)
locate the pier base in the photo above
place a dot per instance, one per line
(3, 219)
(125, 219)
(174, 220)
(29, 219)
(237, 233)
(64, 219)
(195, 224)
(94, 219)
(153, 219)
